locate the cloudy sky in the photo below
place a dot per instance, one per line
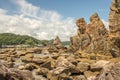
(44, 19)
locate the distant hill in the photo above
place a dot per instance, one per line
(66, 42)
(13, 39)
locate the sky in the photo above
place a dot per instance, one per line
(45, 19)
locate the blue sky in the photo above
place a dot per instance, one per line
(44, 19)
(76, 8)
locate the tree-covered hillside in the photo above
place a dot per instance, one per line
(13, 39)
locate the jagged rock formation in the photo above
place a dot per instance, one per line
(82, 39)
(90, 37)
(56, 46)
(57, 42)
(98, 34)
(114, 25)
(53, 62)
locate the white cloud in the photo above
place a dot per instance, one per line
(2, 11)
(37, 22)
(27, 8)
(106, 24)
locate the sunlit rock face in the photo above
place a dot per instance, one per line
(57, 42)
(114, 25)
(98, 34)
(92, 37)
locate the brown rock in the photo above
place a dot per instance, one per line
(45, 50)
(114, 25)
(14, 74)
(64, 66)
(49, 64)
(81, 26)
(90, 75)
(83, 66)
(42, 71)
(31, 66)
(98, 66)
(57, 43)
(92, 37)
(62, 62)
(98, 34)
(80, 77)
(21, 75)
(82, 39)
(37, 60)
(110, 72)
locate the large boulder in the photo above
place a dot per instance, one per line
(14, 74)
(110, 71)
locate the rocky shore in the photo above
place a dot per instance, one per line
(94, 54)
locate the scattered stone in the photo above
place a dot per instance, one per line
(83, 66)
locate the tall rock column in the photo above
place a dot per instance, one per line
(98, 34)
(114, 25)
(81, 39)
(57, 42)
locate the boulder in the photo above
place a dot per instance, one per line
(62, 62)
(37, 60)
(82, 66)
(31, 66)
(14, 74)
(90, 75)
(42, 71)
(21, 75)
(49, 64)
(110, 72)
(64, 66)
(45, 50)
(99, 65)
